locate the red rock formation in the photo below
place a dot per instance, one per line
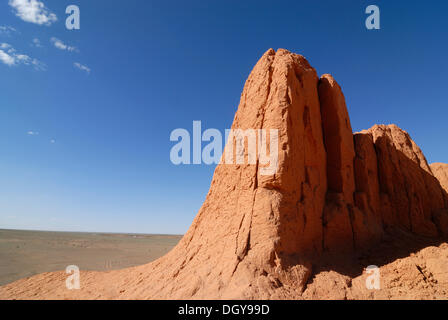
(409, 194)
(368, 220)
(257, 236)
(338, 140)
(440, 171)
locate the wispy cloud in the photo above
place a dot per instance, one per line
(82, 67)
(36, 43)
(33, 11)
(10, 57)
(6, 58)
(6, 46)
(61, 45)
(36, 133)
(7, 30)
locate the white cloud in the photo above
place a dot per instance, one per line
(6, 58)
(9, 57)
(61, 45)
(7, 30)
(6, 46)
(36, 43)
(33, 11)
(33, 133)
(52, 141)
(82, 67)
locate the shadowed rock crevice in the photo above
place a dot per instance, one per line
(338, 212)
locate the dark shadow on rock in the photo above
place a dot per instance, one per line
(427, 205)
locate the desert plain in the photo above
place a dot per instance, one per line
(24, 253)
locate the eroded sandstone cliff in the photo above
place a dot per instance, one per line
(440, 171)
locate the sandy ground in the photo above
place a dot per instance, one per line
(410, 267)
(26, 253)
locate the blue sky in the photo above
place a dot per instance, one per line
(98, 158)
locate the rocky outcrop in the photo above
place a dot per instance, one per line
(338, 140)
(258, 236)
(409, 194)
(368, 220)
(440, 171)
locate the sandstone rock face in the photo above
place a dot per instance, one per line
(338, 141)
(258, 236)
(440, 171)
(409, 194)
(368, 219)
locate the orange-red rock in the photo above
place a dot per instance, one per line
(409, 193)
(440, 171)
(368, 222)
(338, 140)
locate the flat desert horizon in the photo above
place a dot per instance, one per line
(24, 253)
